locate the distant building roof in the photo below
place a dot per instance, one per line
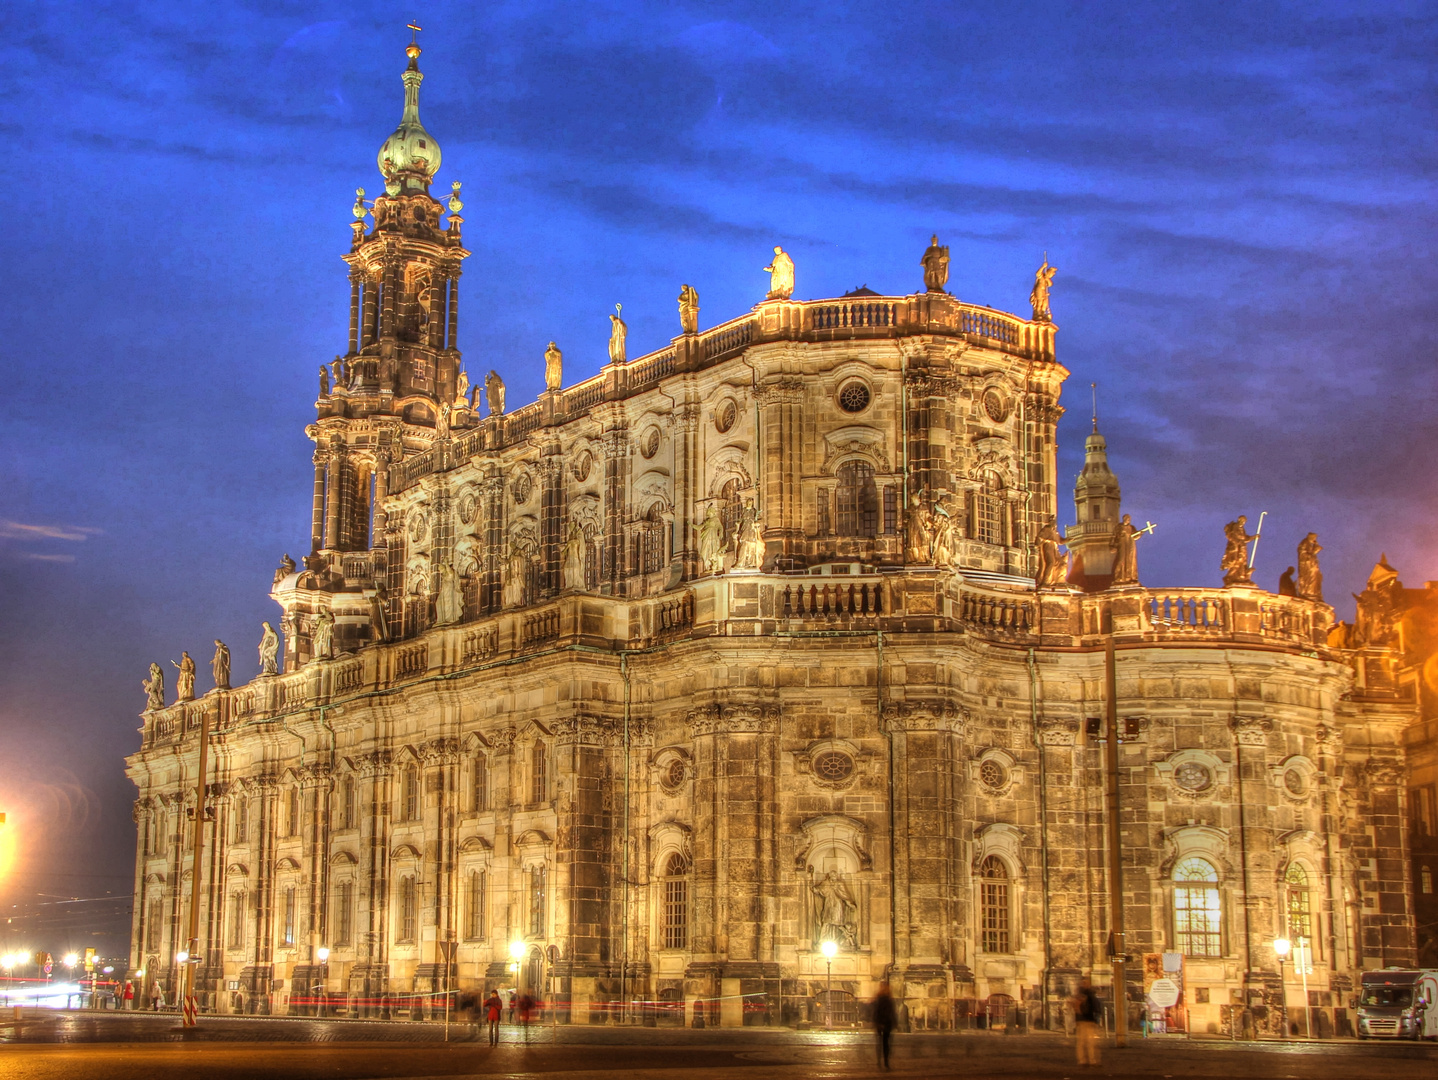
(862, 290)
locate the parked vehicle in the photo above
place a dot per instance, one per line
(1395, 1003)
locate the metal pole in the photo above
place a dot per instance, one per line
(187, 975)
(1304, 963)
(1115, 860)
(1283, 998)
(829, 994)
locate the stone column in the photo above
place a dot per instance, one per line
(452, 336)
(265, 828)
(388, 300)
(688, 478)
(370, 328)
(551, 513)
(782, 436)
(317, 512)
(615, 447)
(380, 516)
(333, 467)
(355, 280)
(492, 580)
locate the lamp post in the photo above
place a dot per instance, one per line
(1281, 948)
(830, 950)
(322, 954)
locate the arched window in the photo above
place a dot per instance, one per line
(676, 902)
(344, 913)
(1197, 908)
(1300, 913)
(292, 812)
(349, 811)
(856, 500)
(989, 511)
(155, 931)
(237, 921)
(287, 921)
(653, 553)
(162, 832)
(538, 774)
(409, 810)
(408, 904)
(538, 879)
(730, 507)
(994, 905)
(479, 783)
(474, 906)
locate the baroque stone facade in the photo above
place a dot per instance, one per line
(735, 649)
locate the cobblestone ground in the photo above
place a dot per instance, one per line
(79, 1046)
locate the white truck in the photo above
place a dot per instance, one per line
(1398, 1003)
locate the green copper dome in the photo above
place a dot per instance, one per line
(410, 157)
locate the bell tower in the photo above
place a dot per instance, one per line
(1096, 505)
(384, 398)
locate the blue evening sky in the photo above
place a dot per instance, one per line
(1239, 200)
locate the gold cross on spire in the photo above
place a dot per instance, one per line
(414, 38)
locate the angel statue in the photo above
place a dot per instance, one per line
(781, 275)
(154, 687)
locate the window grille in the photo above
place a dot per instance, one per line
(348, 810)
(891, 510)
(292, 812)
(154, 932)
(823, 512)
(1426, 877)
(1197, 909)
(237, 921)
(1300, 916)
(479, 785)
(989, 511)
(407, 913)
(344, 913)
(242, 820)
(856, 500)
(676, 902)
(994, 905)
(538, 774)
(537, 882)
(411, 794)
(287, 931)
(474, 912)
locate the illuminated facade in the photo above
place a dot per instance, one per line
(733, 649)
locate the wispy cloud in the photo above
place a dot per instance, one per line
(38, 557)
(19, 530)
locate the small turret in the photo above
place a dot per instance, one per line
(1096, 507)
(410, 157)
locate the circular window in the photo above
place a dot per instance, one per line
(854, 397)
(1191, 776)
(523, 488)
(650, 446)
(996, 405)
(725, 417)
(418, 524)
(1295, 782)
(993, 774)
(833, 766)
(674, 776)
(582, 464)
(468, 506)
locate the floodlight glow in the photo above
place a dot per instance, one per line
(323, 954)
(1282, 946)
(182, 957)
(71, 959)
(516, 950)
(829, 949)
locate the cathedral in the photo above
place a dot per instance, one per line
(749, 673)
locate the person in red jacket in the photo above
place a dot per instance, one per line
(493, 1009)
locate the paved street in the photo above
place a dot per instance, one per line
(146, 1047)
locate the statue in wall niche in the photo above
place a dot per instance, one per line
(269, 651)
(711, 542)
(516, 573)
(1286, 585)
(379, 622)
(185, 680)
(836, 913)
(749, 538)
(572, 566)
(154, 688)
(220, 665)
(1310, 578)
(494, 391)
(1125, 553)
(466, 556)
(285, 569)
(941, 532)
(448, 600)
(781, 275)
(553, 367)
(1235, 553)
(618, 335)
(342, 372)
(441, 421)
(689, 309)
(1039, 294)
(461, 390)
(917, 543)
(936, 265)
(322, 638)
(1053, 564)
(324, 380)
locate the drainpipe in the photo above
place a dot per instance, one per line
(628, 891)
(1043, 828)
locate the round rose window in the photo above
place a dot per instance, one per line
(854, 397)
(726, 416)
(1191, 776)
(993, 774)
(833, 766)
(1295, 782)
(675, 776)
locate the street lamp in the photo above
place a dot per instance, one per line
(830, 950)
(516, 953)
(322, 954)
(1281, 949)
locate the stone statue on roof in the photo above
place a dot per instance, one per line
(936, 265)
(185, 680)
(1234, 563)
(269, 651)
(285, 569)
(220, 665)
(322, 640)
(1125, 553)
(1310, 577)
(154, 688)
(689, 309)
(1039, 295)
(494, 391)
(461, 390)
(781, 275)
(1053, 564)
(618, 335)
(1379, 606)
(324, 380)
(553, 367)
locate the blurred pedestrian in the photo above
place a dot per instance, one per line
(493, 1010)
(1086, 1013)
(157, 997)
(513, 1001)
(886, 1018)
(129, 994)
(526, 1010)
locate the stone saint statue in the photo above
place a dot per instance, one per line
(1125, 553)
(516, 571)
(936, 266)
(618, 335)
(918, 549)
(1286, 585)
(1039, 295)
(553, 367)
(269, 651)
(322, 640)
(711, 542)
(1310, 578)
(572, 568)
(834, 911)
(781, 275)
(494, 391)
(1053, 564)
(379, 621)
(749, 536)
(1235, 553)
(448, 600)
(461, 390)
(474, 399)
(285, 569)
(689, 309)
(941, 533)
(324, 380)
(185, 680)
(220, 665)
(441, 421)
(154, 687)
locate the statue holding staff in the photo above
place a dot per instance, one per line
(1310, 577)
(1234, 564)
(618, 334)
(1039, 295)
(781, 275)
(220, 665)
(936, 265)
(185, 680)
